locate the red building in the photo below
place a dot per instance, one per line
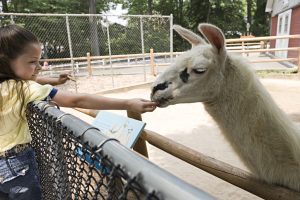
(285, 20)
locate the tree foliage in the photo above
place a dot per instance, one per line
(230, 15)
(52, 6)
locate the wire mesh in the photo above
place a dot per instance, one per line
(77, 162)
(123, 42)
(72, 170)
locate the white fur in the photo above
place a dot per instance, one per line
(261, 134)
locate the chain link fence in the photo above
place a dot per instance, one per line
(77, 162)
(118, 45)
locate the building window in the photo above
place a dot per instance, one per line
(286, 24)
(280, 25)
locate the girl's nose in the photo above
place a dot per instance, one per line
(38, 66)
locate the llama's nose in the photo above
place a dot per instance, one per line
(160, 86)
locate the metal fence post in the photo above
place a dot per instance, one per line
(143, 46)
(71, 49)
(109, 51)
(171, 37)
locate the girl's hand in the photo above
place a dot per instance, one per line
(63, 78)
(141, 105)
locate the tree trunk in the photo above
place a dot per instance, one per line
(150, 5)
(4, 6)
(249, 15)
(180, 11)
(208, 12)
(93, 29)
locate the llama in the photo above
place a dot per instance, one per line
(260, 133)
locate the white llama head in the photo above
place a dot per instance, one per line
(196, 75)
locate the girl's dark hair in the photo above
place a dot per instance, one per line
(13, 43)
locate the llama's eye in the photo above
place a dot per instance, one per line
(199, 70)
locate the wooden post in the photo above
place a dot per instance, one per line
(262, 46)
(90, 112)
(152, 63)
(89, 67)
(140, 145)
(243, 48)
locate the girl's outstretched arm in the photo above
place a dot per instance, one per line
(88, 101)
(64, 77)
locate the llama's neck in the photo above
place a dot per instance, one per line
(248, 116)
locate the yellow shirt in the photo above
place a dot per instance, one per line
(13, 129)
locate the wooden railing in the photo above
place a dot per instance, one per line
(263, 47)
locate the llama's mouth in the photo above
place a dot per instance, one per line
(163, 102)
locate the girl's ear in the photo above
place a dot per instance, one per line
(188, 35)
(214, 35)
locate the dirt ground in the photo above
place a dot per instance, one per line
(190, 125)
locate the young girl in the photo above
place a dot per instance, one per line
(20, 52)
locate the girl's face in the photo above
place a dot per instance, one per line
(26, 66)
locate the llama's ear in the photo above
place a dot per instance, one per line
(191, 37)
(214, 35)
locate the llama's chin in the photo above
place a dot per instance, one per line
(163, 105)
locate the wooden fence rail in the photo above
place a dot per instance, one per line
(240, 45)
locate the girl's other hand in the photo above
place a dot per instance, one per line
(63, 78)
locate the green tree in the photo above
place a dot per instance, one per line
(229, 16)
(261, 19)
(218, 12)
(198, 15)
(137, 7)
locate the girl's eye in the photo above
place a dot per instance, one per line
(34, 62)
(199, 70)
